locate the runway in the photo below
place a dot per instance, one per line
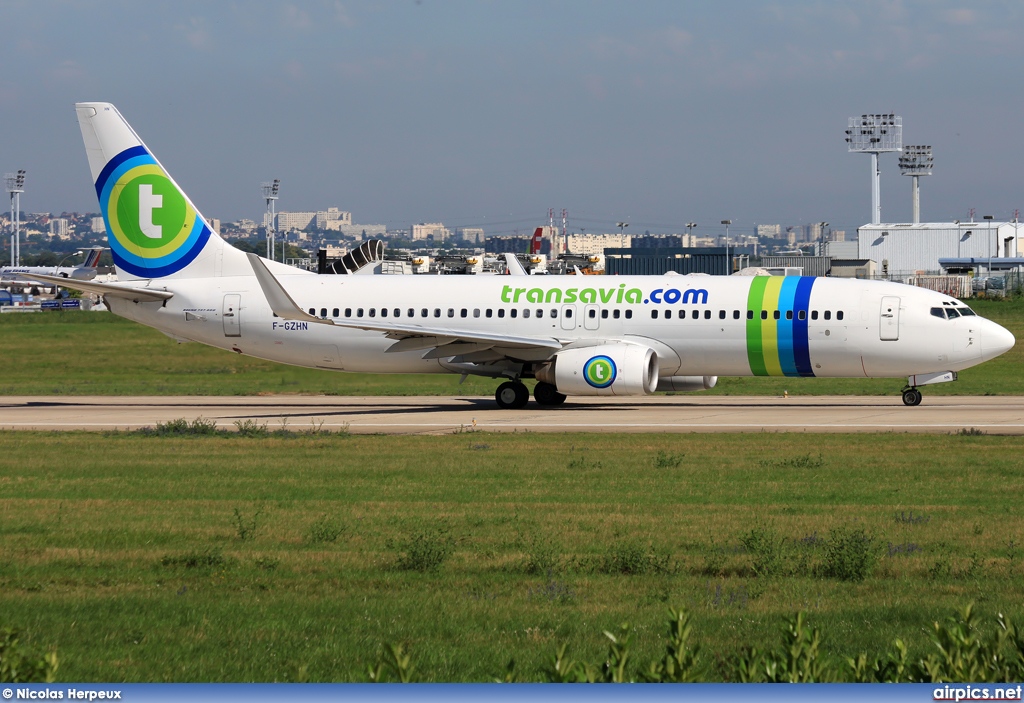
(446, 415)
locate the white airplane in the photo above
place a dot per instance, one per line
(599, 336)
(85, 272)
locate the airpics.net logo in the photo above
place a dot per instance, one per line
(599, 371)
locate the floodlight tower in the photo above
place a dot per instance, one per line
(875, 134)
(15, 186)
(270, 191)
(916, 161)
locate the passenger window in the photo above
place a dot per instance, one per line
(604, 314)
(615, 314)
(939, 312)
(463, 312)
(828, 314)
(764, 314)
(423, 312)
(437, 312)
(312, 311)
(526, 314)
(451, 312)
(501, 312)
(398, 312)
(789, 314)
(750, 314)
(696, 314)
(775, 314)
(592, 313)
(629, 314)
(554, 313)
(721, 314)
(488, 313)
(348, 312)
(735, 314)
(952, 313)
(681, 315)
(839, 314)
(373, 312)
(654, 314)
(513, 312)
(802, 315)
(814, 314)
(383, 312)
(540, 313)
(411, 312)
(334, 313)
(323, 313)
(707, 314)
(359, 312)
(476, 312)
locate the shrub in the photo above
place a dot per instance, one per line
(632, 559)
(765, 548)
(18, 664)
(247, 527)
(324, 529)
(425, 551)
(850, 554)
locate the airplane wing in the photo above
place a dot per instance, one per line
(440, 342)
(513, 266)
(115, 290)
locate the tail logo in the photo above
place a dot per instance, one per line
(599, 371)
(154, 230)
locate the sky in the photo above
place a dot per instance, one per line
(488, 113)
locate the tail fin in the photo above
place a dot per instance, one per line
(93, 258)
(153, 229)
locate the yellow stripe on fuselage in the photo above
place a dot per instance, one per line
(770, 327)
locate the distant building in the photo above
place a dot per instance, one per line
(769, 231)
(429, 230)
(587, 244)
(60, 227)
(658, 241)
(330, 219)
(475, 235)
(98, 226)
(508, 245)
(902, 250)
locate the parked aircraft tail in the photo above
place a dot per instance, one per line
(92, 259)
(153, 228)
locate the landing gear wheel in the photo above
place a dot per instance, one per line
(547, 395)
(512, 395)
(911, 397)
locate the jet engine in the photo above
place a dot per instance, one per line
(687, 383)
(609, 369)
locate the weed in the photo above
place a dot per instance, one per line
(267, 563)
(581, 463)
(552, 591)
(393, 658)
(911, 519)
(970, 432)
(203, 559)
(324, 529)
(251, 428)
(247, 527)
(425, 551)
(906, 548)
(664, 460)
(631, 559)
(805, 461)
(765, 548)
(542, 557)
(714, 560)
(180, 427)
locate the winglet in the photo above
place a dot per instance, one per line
(280, 302)
(513, 266)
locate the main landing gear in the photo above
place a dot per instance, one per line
(513, 395)
(911, 396)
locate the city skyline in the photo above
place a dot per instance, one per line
(485, 115)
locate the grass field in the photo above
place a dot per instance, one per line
(78, 353)
(148, 558)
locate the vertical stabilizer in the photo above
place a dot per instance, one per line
(153, 229)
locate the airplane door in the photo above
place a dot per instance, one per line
(591, 317)
(568, 317)
(232, 315)
(889, 319)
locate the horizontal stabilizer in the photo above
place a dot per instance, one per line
(114, 290)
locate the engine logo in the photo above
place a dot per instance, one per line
(599, 371)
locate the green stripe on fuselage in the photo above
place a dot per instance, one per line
(755, 348)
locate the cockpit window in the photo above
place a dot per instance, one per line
(967, 312)
(939, 312)
(952, 312)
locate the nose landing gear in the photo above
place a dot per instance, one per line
(911, 396)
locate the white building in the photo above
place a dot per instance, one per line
(60, 227)
(98, 226)
(474, 235)
(905, 249)
(587, 244)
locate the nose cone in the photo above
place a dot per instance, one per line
(995, 340)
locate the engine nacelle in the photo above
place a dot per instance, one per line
(687, 383)
(610, 369)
